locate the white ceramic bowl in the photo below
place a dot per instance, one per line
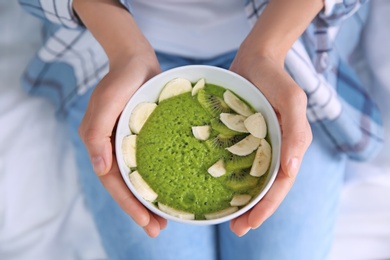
(149, 92)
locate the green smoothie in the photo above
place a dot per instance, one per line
(175, 164)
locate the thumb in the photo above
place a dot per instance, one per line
(296, 138)
(104, 107)
(97, 126)
(101, 156)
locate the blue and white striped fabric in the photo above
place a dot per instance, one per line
(71, 61)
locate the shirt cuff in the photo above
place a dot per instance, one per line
(335, 11)
(55, 11)
(126, 4)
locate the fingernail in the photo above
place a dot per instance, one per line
(98, 165)
(293, 166)
(244, 233)
(257, 226)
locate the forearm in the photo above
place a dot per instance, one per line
(112, 26)
(280, 25)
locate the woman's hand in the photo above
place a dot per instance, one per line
(98, 126)
(289, 103)
(132, 62)
(260, 59)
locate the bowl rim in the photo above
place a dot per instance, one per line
(123, 121)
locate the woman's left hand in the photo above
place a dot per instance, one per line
(289, 102)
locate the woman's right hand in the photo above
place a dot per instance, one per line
(97, 131)
(132, 62)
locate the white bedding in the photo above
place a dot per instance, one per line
(42, 212)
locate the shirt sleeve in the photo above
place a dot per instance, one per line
(126, 4)
(335, 11)
(59, 12)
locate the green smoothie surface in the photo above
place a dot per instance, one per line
(174, 163)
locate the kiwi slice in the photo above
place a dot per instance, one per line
(235, 162)
(221, 141)
(217, 125)
(212, 103)
(240, 180)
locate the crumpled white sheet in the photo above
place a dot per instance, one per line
(42, 210)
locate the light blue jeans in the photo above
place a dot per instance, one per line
(301, 228)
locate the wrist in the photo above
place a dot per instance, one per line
(113, 27)
(280, 24)
(263, 50)
(143, 60)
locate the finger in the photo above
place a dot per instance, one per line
(100, 119)
(271, 201)
(240, 225)
(162, 221)
(156, 224)
(232, 223)
(296, 132)
(118, 189)
(153, 228)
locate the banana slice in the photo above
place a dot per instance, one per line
(262, 159)
(245, 146)
(221, 213)
(217, 169)
(175, 87)
(128, 150)
(236, 104)
(240, 199)
(176, 213)
(256, 125)
(234, 122)
(142, 187)
(199, 85)
(201, 132)
(139, 115)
